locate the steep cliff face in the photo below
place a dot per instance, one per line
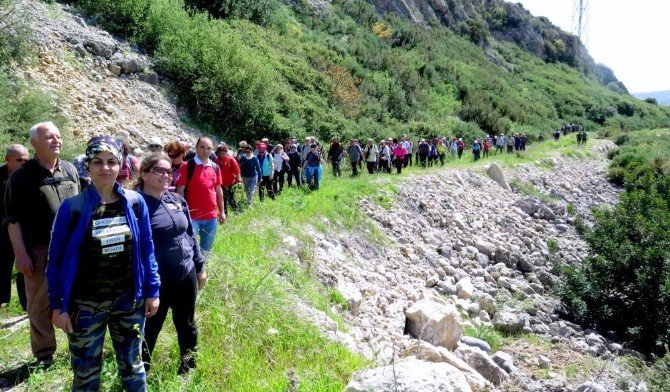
(505, 21)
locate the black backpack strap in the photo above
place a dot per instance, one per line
(190, 169)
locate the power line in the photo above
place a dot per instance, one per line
(580, 19)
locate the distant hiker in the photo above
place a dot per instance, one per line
(335, 153)
(371, 154)
(398, 157)
(176, 150)
(510, 143)
(155, 145)
(441, 151)
(281, 167)
(461, 147)
(407, 145)
(517, 142)
(476, 149)
(267, 168)
(32, 198)
(200, 184)
(180, 263)
(294, 163)
(486, 146)
(230, 176)
(130, 166)
(500, 143)
(313, 167)
(250, 170)
(432, 154)
(454, 148)
(385, 157)
(522, 141)
(355, 154)
(15, 156)
(557, 134)
(102, 272)
(424, 151)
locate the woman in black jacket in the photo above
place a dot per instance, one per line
(180, 262)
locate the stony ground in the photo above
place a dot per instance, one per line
(469, 250)
(103, 84)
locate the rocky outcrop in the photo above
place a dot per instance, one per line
(434, 321)
(104, 85)
(412, 375)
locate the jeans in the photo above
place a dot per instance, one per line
(312, 175)
(207, 230)
(125, 319)
(250, 187)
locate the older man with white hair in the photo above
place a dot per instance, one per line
(33, 195)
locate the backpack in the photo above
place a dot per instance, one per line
(190, 169)
(424, 148)
(77, 204)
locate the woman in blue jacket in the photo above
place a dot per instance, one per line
(102, 272)
(180, 263)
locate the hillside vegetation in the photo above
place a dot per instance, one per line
(267, 69)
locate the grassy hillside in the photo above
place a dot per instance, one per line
(265, 68)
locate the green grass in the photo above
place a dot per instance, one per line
(494, 338)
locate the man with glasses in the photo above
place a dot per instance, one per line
(200, 184)
(15, 157)
(33, 195)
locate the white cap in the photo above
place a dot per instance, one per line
(155, 140)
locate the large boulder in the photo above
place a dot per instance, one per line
(412, 375)
(496, 174)
(508, 320)
(482, 363)
(428, 352)
(434, 321)
(464, 288)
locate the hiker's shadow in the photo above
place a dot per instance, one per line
(13, 377)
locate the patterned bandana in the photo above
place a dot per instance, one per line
(99, 144)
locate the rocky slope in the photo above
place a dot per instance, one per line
(506, 21)
(463, 253)
(104, 85)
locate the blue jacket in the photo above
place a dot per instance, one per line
(67, 236)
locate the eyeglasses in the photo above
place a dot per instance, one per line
(155, 146)
(161, 171)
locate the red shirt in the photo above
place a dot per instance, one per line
(230, 169)
(201, 190)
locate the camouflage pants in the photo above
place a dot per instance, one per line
(125, 320)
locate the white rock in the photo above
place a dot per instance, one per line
(435, 322)
(464, 288)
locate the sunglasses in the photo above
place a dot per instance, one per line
(161, 171)
(155, 146)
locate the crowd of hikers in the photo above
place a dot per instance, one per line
(113, 242)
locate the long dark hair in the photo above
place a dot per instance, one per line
(147, 164)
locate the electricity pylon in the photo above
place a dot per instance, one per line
(580, 19)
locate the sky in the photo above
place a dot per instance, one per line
(630, 37)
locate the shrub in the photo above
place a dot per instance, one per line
(624, 284)
(256, 11)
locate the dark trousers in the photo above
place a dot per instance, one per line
(371, 167)
(278, 182)
(294, 173)
(460, 154)
(476, 154)
(422, 159)
(354, 168)
(229, 199)
(442, 156)
(337, 170)
(385, 165)
(485, 154)
(510, 149)
(407, 160)
(398, 165)
(6, 268)
(267, 184)
(180, 297)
